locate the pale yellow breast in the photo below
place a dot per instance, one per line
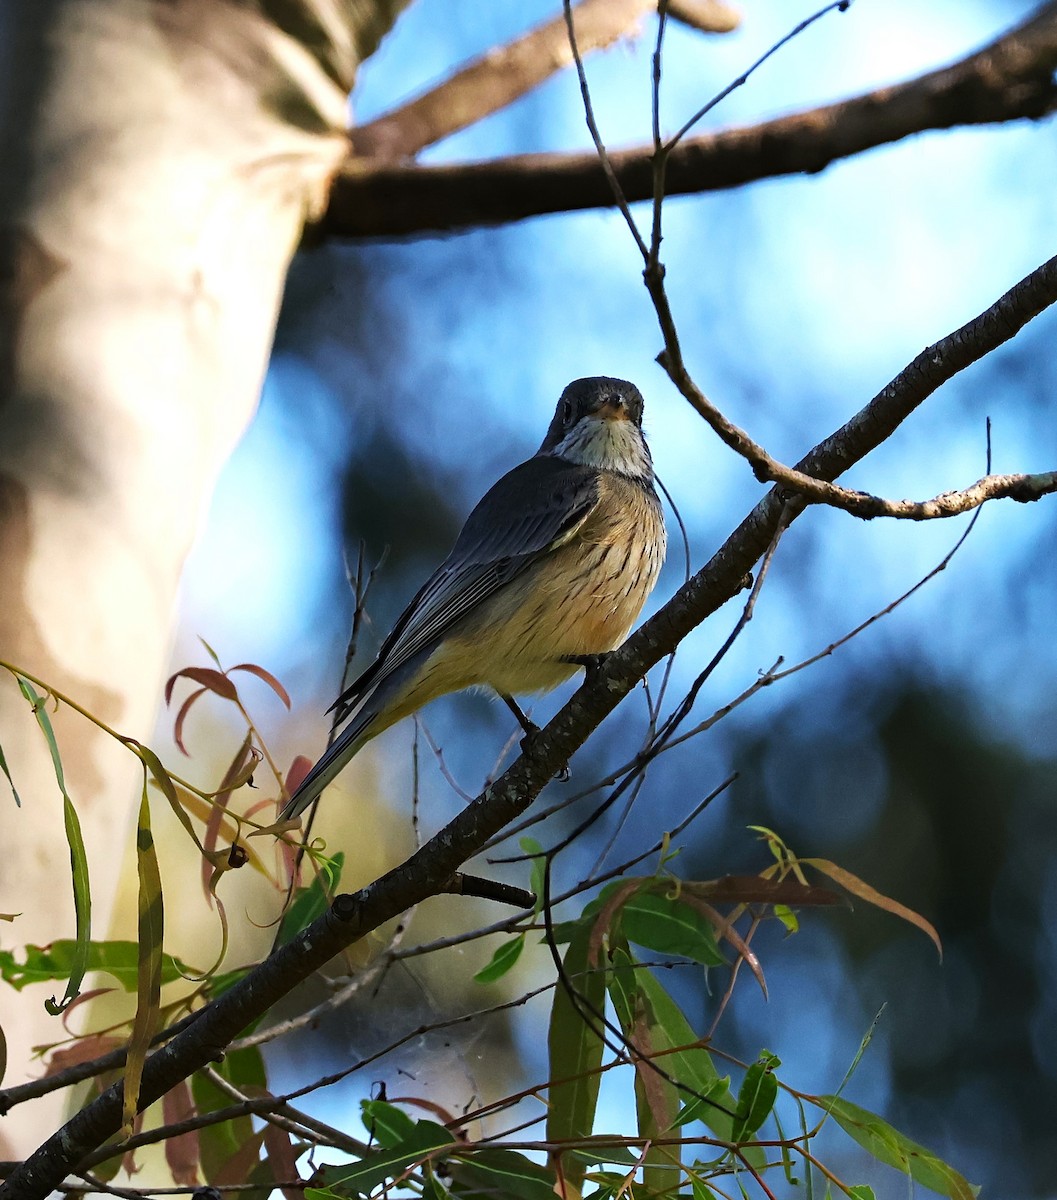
(582, 599)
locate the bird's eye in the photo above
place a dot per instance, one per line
(567, 412)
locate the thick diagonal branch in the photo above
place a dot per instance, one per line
(427, 872)
(1010, 79)
(493, 81)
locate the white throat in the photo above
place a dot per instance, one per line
(610, 445)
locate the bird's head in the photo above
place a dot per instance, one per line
(598, 423)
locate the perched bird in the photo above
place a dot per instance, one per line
(551, 568)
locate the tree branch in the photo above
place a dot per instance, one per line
(1010, 79)
(489, 889)
(1030, 296)
(493, 81)
(706, 16)
(428, 871)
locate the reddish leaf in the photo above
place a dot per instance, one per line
(181, 716)
(657, 1091)
(128, 1159)
(213, 681)
(279, 1150)
(83, 998)
(181, 1151)
(254, 809)
(299, 768)
(443, 1115)
(266, 677)
(724, 927)
(83, 1050)
(604, 921)
(754, 889)
(238, 1167)
(216, 814)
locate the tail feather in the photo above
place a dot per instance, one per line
(344, 746)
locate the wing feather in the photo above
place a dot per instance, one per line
(528, 513)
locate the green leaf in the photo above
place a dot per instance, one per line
(664, 923)
(82, 892)
(622, 985)
(756, 1096)
(529, 845)
(151, 926)
(386, 1124)
(785, 1149)
(563, 932)
(82, 906)
(10, 781)
(374, 1169)
(312, 901)
(48, 963)
(609, 1183)
(433, 1189)
(861, 1192)
(891, 1147)
(504, 958)
(700, 1190)
(788, 918)
(220, 1142)
(575, 1054)
(607, 1152)
(505, 1173)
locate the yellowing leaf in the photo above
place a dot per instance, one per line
(151, 930)
(864, 891)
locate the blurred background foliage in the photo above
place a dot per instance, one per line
(406, 377)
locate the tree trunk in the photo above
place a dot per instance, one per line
(157, 162)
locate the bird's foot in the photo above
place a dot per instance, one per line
(591, 663)
(531, 731)
(562, 774)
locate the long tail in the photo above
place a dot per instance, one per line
(354, 736)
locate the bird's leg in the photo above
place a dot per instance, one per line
(531, 729)
(591, 663)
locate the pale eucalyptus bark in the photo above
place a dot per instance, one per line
(157, 163)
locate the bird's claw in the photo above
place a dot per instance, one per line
(562, 775)
(591, 663)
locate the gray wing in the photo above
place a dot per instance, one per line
(532, 510)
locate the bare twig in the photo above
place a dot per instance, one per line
(766, 468)
(489, 889)
(596, 136)
(743, 78)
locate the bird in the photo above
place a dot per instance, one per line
(549, 573)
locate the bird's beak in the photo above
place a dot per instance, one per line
(613, 408)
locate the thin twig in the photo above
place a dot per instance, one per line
(743, 78)
(596, 137)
